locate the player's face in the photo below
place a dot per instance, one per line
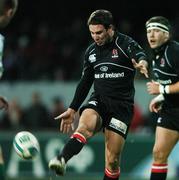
(99, 34)
(156, 37)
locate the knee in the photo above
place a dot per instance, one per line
(159, 156)
(85, 132)
(87, 123)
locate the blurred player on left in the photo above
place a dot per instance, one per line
(7, 11)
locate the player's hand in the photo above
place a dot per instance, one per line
(155, 106)
(142, 66)
(153, 87)
(3, 103)
(67, 119)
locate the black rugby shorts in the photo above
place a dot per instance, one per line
(116, 115)
(169, 118)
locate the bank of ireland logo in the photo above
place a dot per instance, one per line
(92, 58)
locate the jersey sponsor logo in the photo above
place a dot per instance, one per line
(93, 103)
(109, 75)
(114, 53)
(114, 75)
(92, 58)
(104, 68)
(118, 125)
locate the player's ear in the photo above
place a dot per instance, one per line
(110, 29)
(9, 13)
(111, 26)
(167, 36)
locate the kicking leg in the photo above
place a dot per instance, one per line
(89, 123)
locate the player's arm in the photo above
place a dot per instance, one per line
(83, 88)
(154, 88)
(138, 56)
(172, 88)
(81, 92)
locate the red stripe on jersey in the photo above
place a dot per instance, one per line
(79, 137)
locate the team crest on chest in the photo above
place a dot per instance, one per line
(162, 62)
(115, 53)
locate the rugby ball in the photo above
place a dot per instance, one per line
(26, 145)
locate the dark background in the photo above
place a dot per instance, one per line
(47, 38)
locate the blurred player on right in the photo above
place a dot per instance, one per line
(165, 66)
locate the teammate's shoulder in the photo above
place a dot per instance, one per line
(174, 45)
(172, 50)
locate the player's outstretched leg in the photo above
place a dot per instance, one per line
(73, 147)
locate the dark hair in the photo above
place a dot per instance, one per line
(161, 20)
(101, 16)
